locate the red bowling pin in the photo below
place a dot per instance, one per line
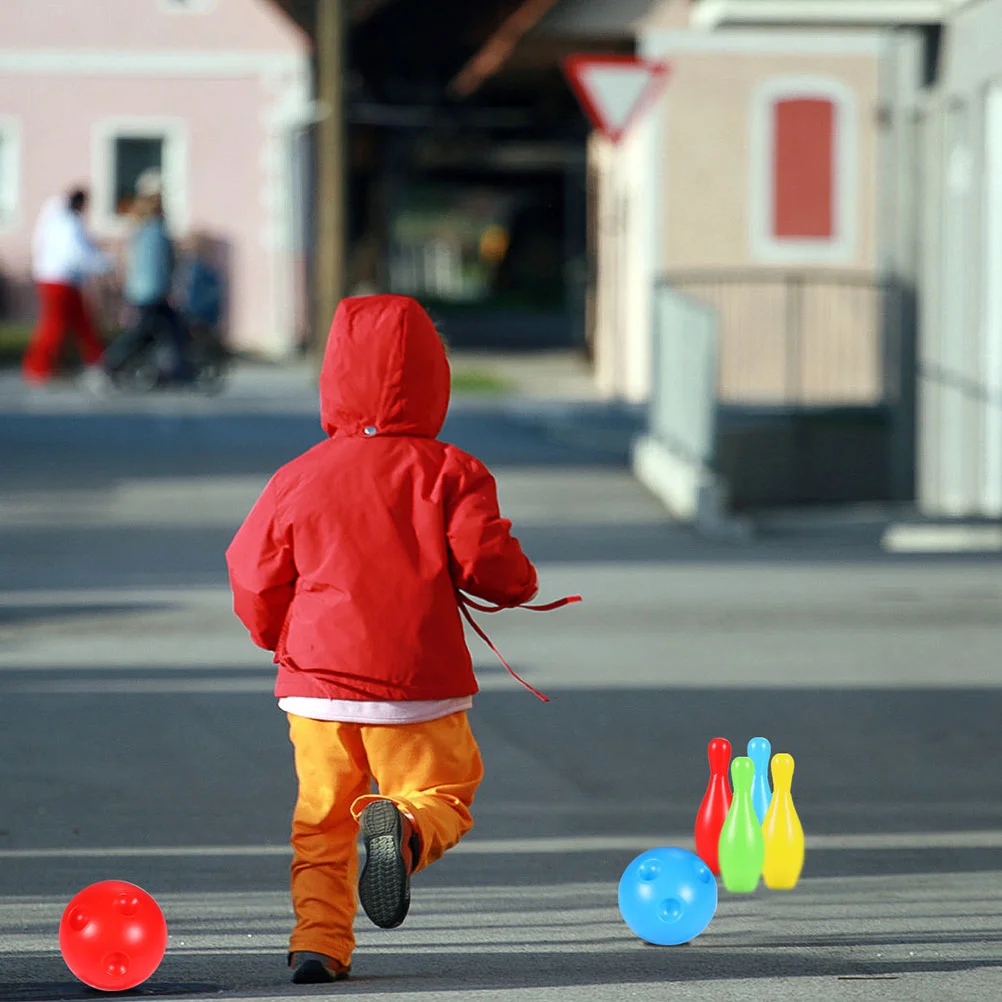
(716, 803)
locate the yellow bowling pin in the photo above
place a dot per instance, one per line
(782, 831)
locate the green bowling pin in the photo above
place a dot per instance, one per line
(742, 847)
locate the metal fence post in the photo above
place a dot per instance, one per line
(793, 285)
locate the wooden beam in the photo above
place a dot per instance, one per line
(329, 278)
(496, 50)
(304, 12)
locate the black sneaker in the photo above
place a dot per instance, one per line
(384, 886)
(316, 969)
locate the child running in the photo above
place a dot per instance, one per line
(351, 568)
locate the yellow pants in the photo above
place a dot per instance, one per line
(430, 770)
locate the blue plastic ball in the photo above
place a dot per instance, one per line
(667, 896)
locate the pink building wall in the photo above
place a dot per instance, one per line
(206, 25)
(230, 86)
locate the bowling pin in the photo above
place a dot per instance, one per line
(742, 848)
(759, 750)
(782, 831)
(715, 804)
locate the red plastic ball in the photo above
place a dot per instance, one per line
(113, 935)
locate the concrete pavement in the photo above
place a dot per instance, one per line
(138, 738)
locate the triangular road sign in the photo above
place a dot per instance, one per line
(615, 90)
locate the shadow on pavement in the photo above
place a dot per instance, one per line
(619, 962)
(20, 615)
(176, 763)
(34, 992)
(112, 557)
(92, 452)
(78, 450)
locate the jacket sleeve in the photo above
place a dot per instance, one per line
(262, 571)
(487, 560)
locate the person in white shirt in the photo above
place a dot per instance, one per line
(63, 256)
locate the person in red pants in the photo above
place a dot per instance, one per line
(64, 255)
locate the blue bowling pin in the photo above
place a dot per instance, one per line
(760, 751)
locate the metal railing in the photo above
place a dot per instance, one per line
(794, 338)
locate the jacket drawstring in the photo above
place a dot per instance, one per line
(466, 603)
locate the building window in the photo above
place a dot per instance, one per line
(10, 173)
(128, 150)
(803, 172)
(132, 158)
(803, 203)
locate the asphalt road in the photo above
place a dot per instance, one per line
(138, 738)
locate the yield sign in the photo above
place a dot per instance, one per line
(615, 90)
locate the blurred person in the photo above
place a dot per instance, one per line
(198, 295)
(63, 256)
(351, 568)
(149, 278)
(199, 285)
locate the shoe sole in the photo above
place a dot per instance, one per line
(384, 886)
(312, 972)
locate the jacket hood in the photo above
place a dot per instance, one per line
(384, 369)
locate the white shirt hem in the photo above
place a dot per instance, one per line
(354, 711)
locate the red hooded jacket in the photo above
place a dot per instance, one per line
(348, 567)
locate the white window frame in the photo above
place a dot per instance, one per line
(10, 168)
(840, 248)
(187, 6)
(174, 132)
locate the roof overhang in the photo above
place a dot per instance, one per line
(598, 19)
(304, 12)
(805, 13)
